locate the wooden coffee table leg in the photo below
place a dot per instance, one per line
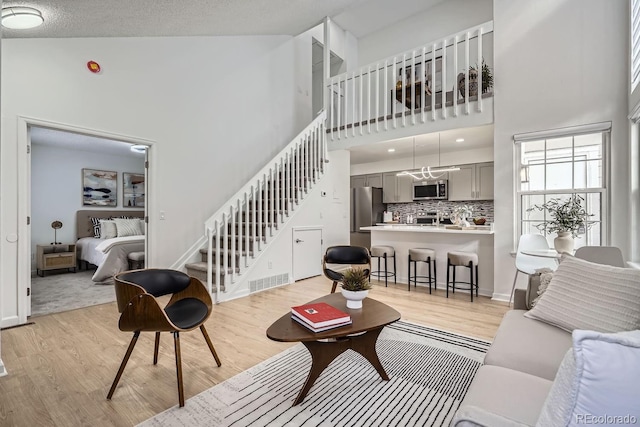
(323, 353)
(366, 345)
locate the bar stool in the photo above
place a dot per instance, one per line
(384, 252)
(422, 255)
(463, 259)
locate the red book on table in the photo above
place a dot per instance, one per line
(320, 314)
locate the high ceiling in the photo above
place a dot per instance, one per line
(79, 142)
(154, 18)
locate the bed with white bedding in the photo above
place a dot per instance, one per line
(110, 255)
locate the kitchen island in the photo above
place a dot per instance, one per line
(442, 239)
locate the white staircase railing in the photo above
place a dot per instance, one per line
(389, 93)
(245, 223)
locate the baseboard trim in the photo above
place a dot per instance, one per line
(500, 297)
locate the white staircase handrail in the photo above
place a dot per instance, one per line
(209, 223)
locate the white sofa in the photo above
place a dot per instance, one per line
(520, 368)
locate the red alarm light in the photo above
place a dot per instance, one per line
(93, 66)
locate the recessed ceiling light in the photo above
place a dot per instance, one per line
(139, 148)
(391, 150)
(21, 18)
(460, 140)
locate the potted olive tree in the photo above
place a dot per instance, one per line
(567, 218)
(355, 286)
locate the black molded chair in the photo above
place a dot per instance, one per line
(351, 255)
(189, 307)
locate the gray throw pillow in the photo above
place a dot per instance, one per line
(585, 295)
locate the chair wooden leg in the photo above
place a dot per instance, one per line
(208, 340)
(176, 340)
(155, 349)
(132, 344)
(335, 284)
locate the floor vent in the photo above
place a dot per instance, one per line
(268, 282)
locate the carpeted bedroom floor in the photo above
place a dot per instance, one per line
(64, 291)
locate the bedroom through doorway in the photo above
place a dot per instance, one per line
(87, 210)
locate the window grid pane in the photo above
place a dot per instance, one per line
(557, 164)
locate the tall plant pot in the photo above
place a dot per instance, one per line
(354, 298)
(564, 242)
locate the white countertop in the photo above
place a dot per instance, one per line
(417, 228)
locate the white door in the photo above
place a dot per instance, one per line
(307, 253)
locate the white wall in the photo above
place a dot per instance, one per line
(216, 108)
(558, 86)
(443, 19)
(56, 188)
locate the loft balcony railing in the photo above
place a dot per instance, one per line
(407, 89)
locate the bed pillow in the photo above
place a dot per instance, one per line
(108, 229)
(586, 295)
(127, 227)
(588, 384)
(95, 223)
(142, 226)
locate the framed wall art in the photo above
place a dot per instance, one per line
(99, 188)
(133, 190)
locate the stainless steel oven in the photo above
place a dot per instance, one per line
(430, 190)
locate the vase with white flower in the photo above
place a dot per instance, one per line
(566, 217)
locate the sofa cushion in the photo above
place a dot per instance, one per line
(510, 394)
(586, 295)
(528, 345)
(598, 378)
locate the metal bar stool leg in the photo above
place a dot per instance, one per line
(447, 284)
(454, 279)
(471, 279)
(429, 268)
(386, 279)
(477, 282)
(395, 276)
(409, 272)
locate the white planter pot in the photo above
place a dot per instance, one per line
(564, 242)
(354, 299)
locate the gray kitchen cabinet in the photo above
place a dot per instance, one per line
(472, 182)
(370, 180)
(397, 189)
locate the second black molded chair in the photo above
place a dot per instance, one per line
(350, 255)
(189, 307)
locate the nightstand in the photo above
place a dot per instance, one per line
(53, 257)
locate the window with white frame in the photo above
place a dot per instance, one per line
(557, 164)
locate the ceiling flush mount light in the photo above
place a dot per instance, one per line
(427, 172)
(139, 148)
(460, 140)
(21, 18)
(391, 150)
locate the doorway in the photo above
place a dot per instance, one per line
(55, 175)
(337, 66)
(307, 252)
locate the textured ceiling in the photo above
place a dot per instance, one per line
(141, 18)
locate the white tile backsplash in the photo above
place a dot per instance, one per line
(480, 208)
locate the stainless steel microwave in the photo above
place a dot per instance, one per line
(430, 190)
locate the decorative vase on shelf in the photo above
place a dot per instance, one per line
(564, 242)
(354, 298)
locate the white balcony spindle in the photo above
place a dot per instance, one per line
(384, 94)
(225, 247)
(423, 85)
(404, 89)
(395, 94)
(210, 263)
(254, 223)
(260, 213)
(444, 80)
(455, 71)
(340, 101)
(466, 72)
(360, 112)
(413, 82)
(353, 104)
(331, 106)
(433, 75)
(377, 117)
(247, 230)
(370, 98)
(479, 66)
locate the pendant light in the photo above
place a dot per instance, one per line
(426, 172)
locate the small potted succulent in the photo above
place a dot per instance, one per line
(355, 286)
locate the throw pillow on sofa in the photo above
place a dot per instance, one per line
(585, 295)
(597, 382)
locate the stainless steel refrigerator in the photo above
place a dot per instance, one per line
(366, 209)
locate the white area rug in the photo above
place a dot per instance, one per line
(430, 372)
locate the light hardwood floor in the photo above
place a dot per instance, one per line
(61, 367)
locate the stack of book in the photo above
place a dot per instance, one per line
(320, 316)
